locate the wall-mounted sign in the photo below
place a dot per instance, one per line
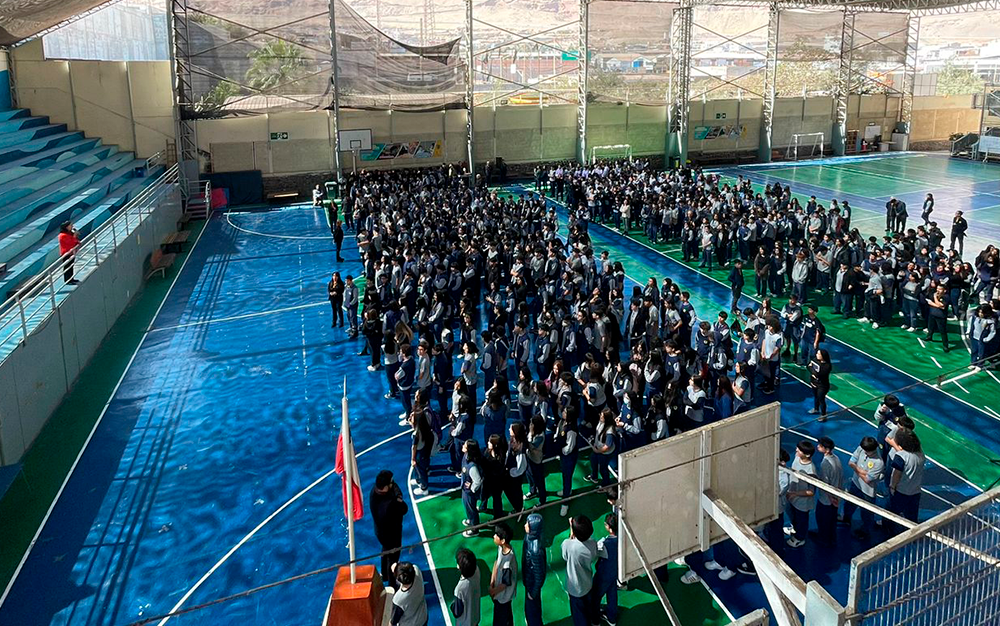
(732, 131)
(279, 136)
(720, 116)
(404, 150)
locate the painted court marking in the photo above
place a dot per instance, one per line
(241, 317)
(264, 523)
(100, 418)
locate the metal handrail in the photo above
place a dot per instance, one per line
(37, 299)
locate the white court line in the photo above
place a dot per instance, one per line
(437, 494)
(992, 375)
(261, 525)
(427, 552)
(936, 363)
(241, 317)
(993, 412)
(959, 377)
(961, 387)
(922, 344)
(254, 232)
(100, 418)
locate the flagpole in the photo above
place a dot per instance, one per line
(345, 430)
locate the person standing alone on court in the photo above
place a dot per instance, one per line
(338, 239)
(388, 510)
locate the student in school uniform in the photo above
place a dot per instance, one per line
(603, 448)
(907, 476)
(832, 473)
(868, 468)
(606, 573)
(536, 460)
(770, 350)
(409, 607)
(579, 552)
(465, 607)
(503, 580)
(405, 376)
(472, 484)
(801, 494)
(566, 443)
(820, 369)
(534, 567)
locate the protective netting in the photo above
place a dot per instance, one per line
(20, 19)
(879, 52)
(728, 52)
(419, 67)
(629, 51)
(259, 56)
(269, 56)
(808, 52)
(526, 53)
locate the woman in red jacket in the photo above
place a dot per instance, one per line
(69, 241)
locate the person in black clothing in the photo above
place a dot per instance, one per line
(338, 239)
(819, 377)
(958, 229)
(736, 282)
(335, 291)
(388, 509)
(937, 321)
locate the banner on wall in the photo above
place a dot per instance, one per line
(731, 131)
(404, 150)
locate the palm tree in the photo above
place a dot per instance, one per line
(275, 64)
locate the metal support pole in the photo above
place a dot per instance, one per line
(470, 102)
(581, 64)
(52, 290)
(678, 105)
(770, 72)
(187, 138)
(24, 319)
(650, 573)
(7, 63)
(335, 83)
(910, 71)
(839, 136)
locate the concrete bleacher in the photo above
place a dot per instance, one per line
(49, 175)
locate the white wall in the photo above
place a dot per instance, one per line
(124, 103)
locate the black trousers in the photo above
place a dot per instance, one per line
(388, 560)
(937, 325)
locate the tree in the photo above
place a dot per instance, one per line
(955, 81)
(218, 96)
(276, 63)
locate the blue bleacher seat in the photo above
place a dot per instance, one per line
(48, 175)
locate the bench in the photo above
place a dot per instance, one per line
(174, 241)
(282, 196)
(160, 262)
(182, 223)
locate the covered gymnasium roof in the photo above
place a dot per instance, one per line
(23, 19)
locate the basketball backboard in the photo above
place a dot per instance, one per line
(736, 458)
(358, 139)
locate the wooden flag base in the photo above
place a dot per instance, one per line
(357, 604)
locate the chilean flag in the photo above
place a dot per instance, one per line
(347, 464)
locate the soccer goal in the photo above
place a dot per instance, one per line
(620, 151)
(805, 146)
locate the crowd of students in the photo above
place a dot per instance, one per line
(478, 309)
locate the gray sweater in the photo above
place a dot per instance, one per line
(579, 557)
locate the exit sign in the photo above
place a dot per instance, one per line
(279, 136)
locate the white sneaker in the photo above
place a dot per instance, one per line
(413, 482)
(726, 574)
(469, 533)
(905, 327)
(420, 492)
(690, 577)
(466, 522)
(787, 530)
(911, 329)
(563, 510)
(863, 320)
(404, 422)
(371, 368)
(874, 324)
(795, 543)
(713, 566)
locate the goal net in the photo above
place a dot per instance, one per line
(620, 151)
(805, 146)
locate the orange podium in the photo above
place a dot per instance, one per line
(357, 604)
